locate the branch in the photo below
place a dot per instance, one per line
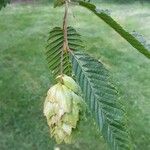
(65, 45)
(136, 43)
(65, 42)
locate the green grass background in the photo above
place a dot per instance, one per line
(25, 77)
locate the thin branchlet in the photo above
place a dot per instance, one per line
(65, 43)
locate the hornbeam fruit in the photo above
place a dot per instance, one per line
(62, 108)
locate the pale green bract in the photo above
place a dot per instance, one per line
(62, 108)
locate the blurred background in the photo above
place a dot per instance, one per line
(25, 77)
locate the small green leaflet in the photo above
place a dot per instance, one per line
(55, 47)
(112, 23)
(101, 98)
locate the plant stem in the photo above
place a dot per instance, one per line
(65, 43)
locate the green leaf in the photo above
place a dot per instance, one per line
(3, 3)
(55, 47)
(112, 23)
(101, 97)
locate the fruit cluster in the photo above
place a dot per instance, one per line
(62, 108)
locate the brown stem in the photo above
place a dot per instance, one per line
(65, 43)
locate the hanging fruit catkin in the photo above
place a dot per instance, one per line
(62, 108)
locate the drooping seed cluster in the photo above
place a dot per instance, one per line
(62, 108)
